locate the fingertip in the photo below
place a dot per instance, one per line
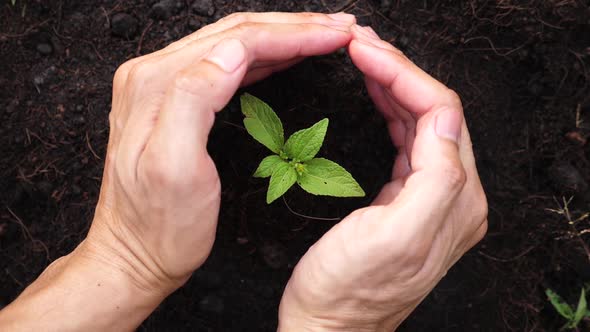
(448, 123)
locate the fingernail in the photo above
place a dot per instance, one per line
(228, 54)
(343, 17)
(448, 124)
(363, 32)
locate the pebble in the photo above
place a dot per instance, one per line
(166, 8)
(79, 120)
(45, 188)
(123, 25)
(211, 304)
(203, 7)
(274, 255)
(44, 48)
(566, 178)
(44, 75)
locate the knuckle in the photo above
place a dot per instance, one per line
(235, 18)
(191, 84)
(454, 99)
(140, 72)
(453, 176)
(122, 73)
(245, 27)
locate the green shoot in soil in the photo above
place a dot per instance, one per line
(566, 311)
(294, 161)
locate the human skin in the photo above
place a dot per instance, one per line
(371, 270)
(156, 217)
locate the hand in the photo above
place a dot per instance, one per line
(157, 212)
(373, 268)
(159, 201)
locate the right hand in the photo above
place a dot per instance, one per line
(372, 269)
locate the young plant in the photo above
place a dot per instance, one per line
(564, 309)
(294, 160)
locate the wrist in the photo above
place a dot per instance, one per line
(78, 292)
(339, 316)
(111, 245)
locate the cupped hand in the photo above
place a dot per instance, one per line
(159, 201)
(373, 268)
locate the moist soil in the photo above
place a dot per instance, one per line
(521, 68)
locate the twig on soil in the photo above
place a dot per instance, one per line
(143, 33)
(308, 217)
(348, 5)
(27, 234)
(233, 125)
(492, 47)
(506, 260)
(579, 116)
(565, 211)
(90, 147)
(24, 33)
(106, 15)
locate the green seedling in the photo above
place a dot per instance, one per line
(294, 161)
(566, 311)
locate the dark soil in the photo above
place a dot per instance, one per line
(521, 67)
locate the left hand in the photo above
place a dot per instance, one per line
(157, 213)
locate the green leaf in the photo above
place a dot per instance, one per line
(582, 308)
(282, 178)
(267, 165)
(324, 177)
(559, 304)
(304, 144)
(262, 123)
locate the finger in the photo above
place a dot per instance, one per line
(233, 20)
(179, 138)
(437, 179)
(408, 85)
(401, 125)
(268, 42)
(263, 42)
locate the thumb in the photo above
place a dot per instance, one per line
(197, 92)
(437, 175)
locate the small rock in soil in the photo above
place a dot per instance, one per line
(166, 8)
(566, 178)
(204, 7)
(211, 304)
(123, 25)
(79, 120)
(273, 255)
(45, 76)
(44, 48)
(45, 188)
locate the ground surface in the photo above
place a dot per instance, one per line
(521, 68)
